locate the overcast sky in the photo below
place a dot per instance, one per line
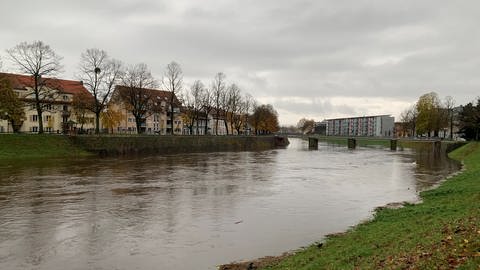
(314, 59)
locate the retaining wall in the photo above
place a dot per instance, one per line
(126, 145)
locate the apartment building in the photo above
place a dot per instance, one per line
(154, 106)
(59, 114)
(368, 126)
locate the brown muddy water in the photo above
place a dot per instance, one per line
(196, 211)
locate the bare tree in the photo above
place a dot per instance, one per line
(193, 104)
(99, 75)
(249, 106)
(173, 82)
(409, 120)
(207, 105)
(37, 60)
(218, 91)
(449, 104)
(136, 93)
(234, 101)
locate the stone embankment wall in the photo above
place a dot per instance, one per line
(127, 145)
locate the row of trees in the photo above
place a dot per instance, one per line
(469, 120)
(227, 104)
(430, 115)
(100, 74)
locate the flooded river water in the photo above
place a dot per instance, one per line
(196, 211)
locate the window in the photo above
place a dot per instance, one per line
(32, 107)
(34, 118)
(34, 129)
(47, 118)
(48, 107)
(65, 107)
(48, 129)
(65, 97)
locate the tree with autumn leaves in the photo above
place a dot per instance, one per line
(264, 120)
(11, 107)
(431, 115)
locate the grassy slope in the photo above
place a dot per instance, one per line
(441, 233)
(17, 147)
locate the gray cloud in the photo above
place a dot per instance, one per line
(279, 51)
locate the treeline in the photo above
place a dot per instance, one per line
(100, 74)
(228, 106)
(430, 115)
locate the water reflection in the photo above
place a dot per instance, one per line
(193, 211)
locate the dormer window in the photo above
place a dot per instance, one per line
(65, 97)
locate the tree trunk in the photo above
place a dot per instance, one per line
(171, 121)
(38, 106)
(40, 119)
(196, 127)
(226, 125)
(97, 122)
(206, 124)
(138, 124)
(451, 127)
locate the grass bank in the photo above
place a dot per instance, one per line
(443, 232)
(29, 146)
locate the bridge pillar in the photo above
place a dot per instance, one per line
(393, 145)
(312, 143)
(352, 143)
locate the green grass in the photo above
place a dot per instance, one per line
(443, 232)
(31, 146)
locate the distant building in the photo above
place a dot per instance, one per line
(368, 126)
(320, 128)
(59, 114)
(156, 119)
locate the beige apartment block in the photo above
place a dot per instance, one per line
(156, 117)
(59, 114)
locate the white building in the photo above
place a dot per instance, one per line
(58, 114)
(368, 126)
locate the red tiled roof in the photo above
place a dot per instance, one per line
(155, 93)
(65, 86)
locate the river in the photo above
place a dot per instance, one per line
(196, 211)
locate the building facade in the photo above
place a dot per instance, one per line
(367, 126)
(59, 113)
(156, 115)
